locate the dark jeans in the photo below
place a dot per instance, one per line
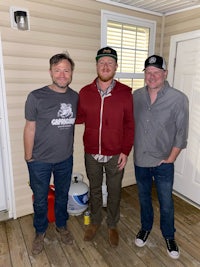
(163, 177)
(94, 170)
(40, 175)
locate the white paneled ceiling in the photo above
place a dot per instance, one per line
(161, 7)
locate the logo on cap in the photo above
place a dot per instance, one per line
(152, 60)
(106, 51)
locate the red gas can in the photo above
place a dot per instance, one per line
(51, 201)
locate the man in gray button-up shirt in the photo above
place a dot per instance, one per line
(161, 131)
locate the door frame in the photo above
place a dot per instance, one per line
(10, 212)
(175, 39)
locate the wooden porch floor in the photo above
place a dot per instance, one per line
(16, 239)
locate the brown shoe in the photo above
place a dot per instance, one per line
(91, 232)
(113, 237)
(38, 244)
(65, 235)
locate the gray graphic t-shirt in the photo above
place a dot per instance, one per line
(54, 114)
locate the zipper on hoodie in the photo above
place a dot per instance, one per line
(101, 118)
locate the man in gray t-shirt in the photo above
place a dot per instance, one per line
(50, 114)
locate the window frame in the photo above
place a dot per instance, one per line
(122, 18)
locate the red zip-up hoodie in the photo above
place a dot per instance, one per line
(109, 120)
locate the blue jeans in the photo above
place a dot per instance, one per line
(40, 175)
(163, 178)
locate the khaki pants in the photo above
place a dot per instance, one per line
(94, 170)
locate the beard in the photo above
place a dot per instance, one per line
(104, 78)
(62, 86)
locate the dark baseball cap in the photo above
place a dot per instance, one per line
(155, 61)
(106, 52)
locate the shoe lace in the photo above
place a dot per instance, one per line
(142, 234)
(171, 244)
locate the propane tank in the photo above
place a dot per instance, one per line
(78, 196)
(104, 191)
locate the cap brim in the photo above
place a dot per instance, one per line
(106, 55)
(154, 65)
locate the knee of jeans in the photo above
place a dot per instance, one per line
(40, 207)
(167, 208)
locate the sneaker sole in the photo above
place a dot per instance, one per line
(139, 243)
(175, 257)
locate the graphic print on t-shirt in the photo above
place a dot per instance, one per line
(65, 111)
(65, 116)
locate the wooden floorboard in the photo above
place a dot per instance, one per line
(16, 238)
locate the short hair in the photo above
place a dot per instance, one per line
(59, 57)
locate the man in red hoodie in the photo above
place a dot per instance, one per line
(106, 108)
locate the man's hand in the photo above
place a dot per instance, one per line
(122, 161)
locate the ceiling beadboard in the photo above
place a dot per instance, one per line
(161, 7)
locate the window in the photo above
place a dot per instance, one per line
(133, 39)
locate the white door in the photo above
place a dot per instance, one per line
(185, 75)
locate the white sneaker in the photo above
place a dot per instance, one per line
(141, 238)
(172, 249)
